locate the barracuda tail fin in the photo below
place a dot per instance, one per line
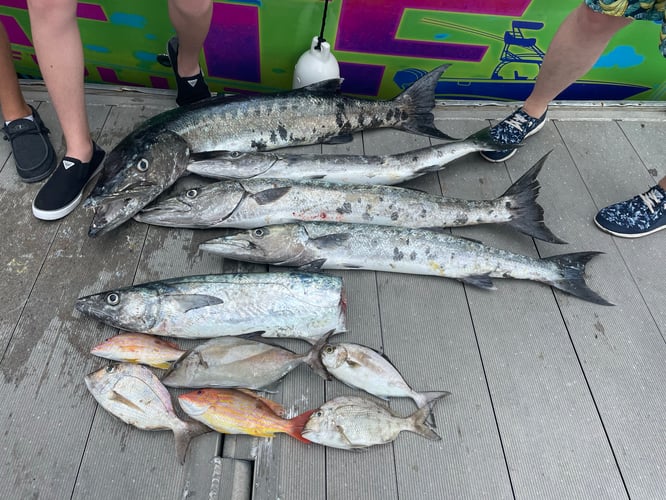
(572, 267)
(527, 213)
(485, 142)
(417, 102)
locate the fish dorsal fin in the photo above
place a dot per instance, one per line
(188, 302)
(329, 86)
(270, 195)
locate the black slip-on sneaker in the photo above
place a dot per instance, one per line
(62, 193)
(190, 89)
(32, 149)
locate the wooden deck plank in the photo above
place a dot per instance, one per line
(552, 396)
(621, 348)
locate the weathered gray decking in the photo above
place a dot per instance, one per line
(553, 397)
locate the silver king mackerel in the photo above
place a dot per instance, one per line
(299, 305)
(157, 153)
(260, 202)
(338, 168)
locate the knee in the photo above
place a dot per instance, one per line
(191, 8)
(51, 10)
(597, 22)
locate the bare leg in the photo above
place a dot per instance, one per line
(191, 19)
(12, 103)
(577, 45)
(60, 57)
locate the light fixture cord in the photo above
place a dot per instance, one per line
(323, 25)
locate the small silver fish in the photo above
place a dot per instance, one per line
(350, 422)
(338, 168)
(236, 362)
(135, 395)
(363, 368)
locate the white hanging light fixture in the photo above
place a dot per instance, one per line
(318, 63)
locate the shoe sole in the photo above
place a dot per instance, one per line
(625, 235)
(50, 215)
(515, 150)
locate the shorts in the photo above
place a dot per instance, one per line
(648, 10)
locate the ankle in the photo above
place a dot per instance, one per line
(83, 152)
(535, 111)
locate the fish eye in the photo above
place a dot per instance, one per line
(329, 349)
(259, 232)
(110, 368)
(113, 299)
(235, 154)
(143, 164)
(319, 413)
(191, 193)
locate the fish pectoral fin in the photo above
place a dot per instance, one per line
(188, 302)
(116, 396)
(315, 265)
(202, 361)
(479, 280)
(330, 240)
(339, 139)
(270, 195)
(346, 440)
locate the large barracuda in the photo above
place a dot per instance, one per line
(156, 154)
(300, 305)
(316, 245)
(260, 202)
(338, 168)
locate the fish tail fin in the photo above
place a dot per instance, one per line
(485, 142)
(527, 214)
(425, 398)
(419, 425)
(185, 433)
(313, 357)
(295, 426)
(572, 268)
(417, 101)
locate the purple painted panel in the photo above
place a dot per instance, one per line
(90, 11)
(361, 78)
(356, 34)
(232, 46)
(14, 31)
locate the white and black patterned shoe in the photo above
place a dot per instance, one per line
(62, 193)
(513, 130)
(639, 216)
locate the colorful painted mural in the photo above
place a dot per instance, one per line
(495, 47)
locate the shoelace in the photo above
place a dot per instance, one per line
(517, 121)
(651, 198)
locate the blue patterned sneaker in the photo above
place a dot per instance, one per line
(641, 215)
(513, 130)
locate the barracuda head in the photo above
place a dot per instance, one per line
(265, 245)
(138, 169)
